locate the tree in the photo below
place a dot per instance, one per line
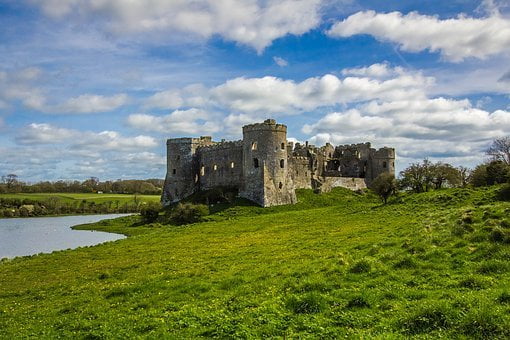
(464, 175)
(414, 177)
(498, 172)
(500, 150)
(444, 173)
(489, 174)
(11, 180)
(384, 185)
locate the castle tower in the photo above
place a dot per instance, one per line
(182, 170)
(267, 179)
(381, 161)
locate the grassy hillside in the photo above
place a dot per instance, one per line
(335, 265)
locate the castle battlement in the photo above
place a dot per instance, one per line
(221, 145)
(265, 168)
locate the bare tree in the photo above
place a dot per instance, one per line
(500, 150)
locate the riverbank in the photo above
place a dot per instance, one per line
(336, 265)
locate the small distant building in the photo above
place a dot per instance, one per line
(265, 168)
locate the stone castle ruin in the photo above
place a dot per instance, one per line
(265, 168)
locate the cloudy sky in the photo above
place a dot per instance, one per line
(94, 87)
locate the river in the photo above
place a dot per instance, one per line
(29, 236)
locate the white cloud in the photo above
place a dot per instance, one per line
(250, 22)
(192, 121)
(90, 103)
(456, 39)
(280, 61)
(275, 95)
(44, 134)
(86, 141)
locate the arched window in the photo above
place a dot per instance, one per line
(280, 185)
(283, 146)
(254, 146)
(215, 167)
(384, 165)
(174, 171)
(282, 163)
(232, 165)
(202, 171)
(255, 162)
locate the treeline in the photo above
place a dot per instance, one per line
(11, 184)
(14, 207)
(426, 175)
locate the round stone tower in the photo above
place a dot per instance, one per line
(181, 169)
(267, 179)
(382, 160)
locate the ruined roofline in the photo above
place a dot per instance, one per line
(186, 140)
(221, 145)
(354, 145)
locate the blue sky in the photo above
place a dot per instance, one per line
(93, 88)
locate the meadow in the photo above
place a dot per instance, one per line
(341, 264)
(44, 204)
(73, 197)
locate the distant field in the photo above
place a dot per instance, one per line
(97, 198)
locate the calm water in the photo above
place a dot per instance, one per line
(29, 236)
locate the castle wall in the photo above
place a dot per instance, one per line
(266, 168)
(352, 183)
(300, 172)
(221, 165)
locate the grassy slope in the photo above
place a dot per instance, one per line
(70, 197)
(335, 265)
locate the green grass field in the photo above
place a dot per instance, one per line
(335, 265)
(71, 197)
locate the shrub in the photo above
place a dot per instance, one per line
(185, 213)
(150, 211)
(384, 185)
(504, 193)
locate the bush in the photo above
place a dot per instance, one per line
(384, 185)
(150, 211)
(185, 213)
(504, 193)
